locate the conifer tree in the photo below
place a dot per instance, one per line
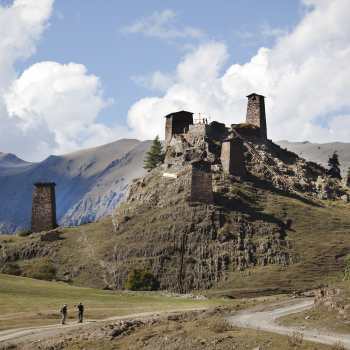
(155, 155)
(333, 162)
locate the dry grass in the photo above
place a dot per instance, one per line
(220, 325)
(295, 340)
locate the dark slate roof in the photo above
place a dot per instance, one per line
(44, 183)
(169, 115)
(256, 95)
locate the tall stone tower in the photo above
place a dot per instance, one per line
(232, 156)
(202, 183)
(44, 207)
(177, 123)
(256, 113)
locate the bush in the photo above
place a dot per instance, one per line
(317, 166)
(45, 271)
(335, 188)
(190, 260)
(24, 233)
(172, 248)
(225, 232)
(127, 218)
(347, 270)
(295, 339)
(165, 257)
(219, 325)
(338, 346)
(247, 128)
(11, 269)
(172, 154)
(187, 198)
(313, 170)
(140, 279)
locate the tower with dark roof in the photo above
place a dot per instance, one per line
(256, 113)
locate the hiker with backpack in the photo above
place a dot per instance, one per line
(80, 312)
(64, 312)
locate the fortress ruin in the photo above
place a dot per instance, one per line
(44, 207)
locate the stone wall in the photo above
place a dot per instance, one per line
(232, 156)
(256, 113)
(50, 237)
(218, 131)
(198, 130)
(202, 183)
(176, 124)
(44, 207)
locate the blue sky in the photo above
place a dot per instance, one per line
(86, 72)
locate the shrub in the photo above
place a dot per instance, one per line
(172, 248)
(217, 144)
(225, 232)
(127, 218)
(190, 260)
(335, 188)
(172, 154)
(313, 170)
(247, 128)
(187, 198)
(140, 279)
(347, 270)
(11, 269)
(338, 346)
(317, 166)
(24, 233)
(219, 325)
(295, 339)
(45, 271)
(165, 257)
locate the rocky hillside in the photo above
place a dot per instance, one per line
(258, 237)
(91, 183)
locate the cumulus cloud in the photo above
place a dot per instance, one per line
(50, 108)
(304, 77)
(154, 81)
(160, 24)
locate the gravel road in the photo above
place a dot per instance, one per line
(263, 317)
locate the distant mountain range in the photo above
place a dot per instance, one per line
(320, 152)
(90, 183)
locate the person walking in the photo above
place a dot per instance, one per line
(64, 312)
(80, 312)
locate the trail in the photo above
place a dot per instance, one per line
(263, 318)
(15, 336)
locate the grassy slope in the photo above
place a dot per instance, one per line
(29, 302)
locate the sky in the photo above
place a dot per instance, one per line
(83, 73)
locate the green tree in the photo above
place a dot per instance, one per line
(142, 279)
(348, 176)
(334, 170)
(155, 155)
(347, 269)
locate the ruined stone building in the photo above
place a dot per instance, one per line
(256, 113)
(232, 156)
(202, 183)
(176, 124)
(44, 207)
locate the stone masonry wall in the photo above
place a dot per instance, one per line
(256, 113)
(202, 183)
(176, 124)
(198, 130)
(232, 156)
(218, 131)
(44, 207)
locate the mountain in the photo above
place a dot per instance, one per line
(90, 183)
(282, 227)
(320, 152)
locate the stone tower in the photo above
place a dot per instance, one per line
(232, 156)
(256, 113)
(202, 183)
(177, 123)
(44, 207)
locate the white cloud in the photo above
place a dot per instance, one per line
(304, 76)
(266, 30)
(51, 108)
(160, 24)
(155, 81)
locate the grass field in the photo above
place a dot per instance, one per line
(28, 302)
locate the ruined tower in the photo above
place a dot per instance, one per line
(232, 156)
(202, 183)
(256, 113)
(44, 207)
(177, 123)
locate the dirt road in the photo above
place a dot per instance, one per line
(263, 317)
(19, 335)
